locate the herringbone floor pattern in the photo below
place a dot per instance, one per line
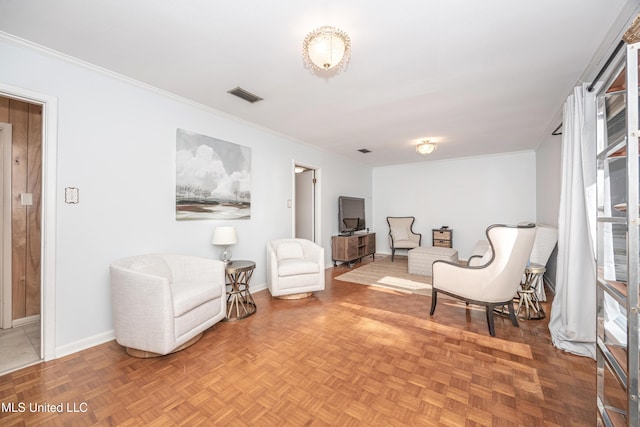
(351, 355)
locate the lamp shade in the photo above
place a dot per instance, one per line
(326, 48)
(224, 236)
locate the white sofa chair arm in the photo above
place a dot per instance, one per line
(480, 254)
(142, 308)
(187, 268)
(451, 275)
(272, 266)
(314, 253)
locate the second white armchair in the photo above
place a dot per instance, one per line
(295, 268)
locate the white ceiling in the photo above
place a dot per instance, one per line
(478, 77)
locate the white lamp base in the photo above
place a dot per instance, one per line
(225, 255)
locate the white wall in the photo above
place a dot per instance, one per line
(548, 186)
(116, 143)
(548, 179)
(466, 194)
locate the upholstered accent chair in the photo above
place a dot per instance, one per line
(295, 268)
(543, 245)
(401, 234)
(492, 283)
(163, 303)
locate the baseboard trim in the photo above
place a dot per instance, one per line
(257, 288)
(84, 344)
(26, 321)
(550, 284)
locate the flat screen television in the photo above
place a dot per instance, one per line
(351, 214)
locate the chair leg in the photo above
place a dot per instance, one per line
(393, 252)
(492, 329)
(434, 299)
(512, 315)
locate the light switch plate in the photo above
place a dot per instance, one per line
(71, 195)
(26, 199)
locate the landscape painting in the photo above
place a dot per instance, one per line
(213, 178)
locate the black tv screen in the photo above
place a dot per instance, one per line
(351, 214)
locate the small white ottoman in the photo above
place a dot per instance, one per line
(421, 259)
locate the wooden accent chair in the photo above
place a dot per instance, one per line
(401, 234)
(491, 284)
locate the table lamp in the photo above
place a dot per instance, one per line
(225, 236)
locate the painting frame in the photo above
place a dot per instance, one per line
(213, 178)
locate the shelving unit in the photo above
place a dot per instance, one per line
(442, 237)
(618, 245)
(352, 248)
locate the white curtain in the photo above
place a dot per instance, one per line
(573, 313)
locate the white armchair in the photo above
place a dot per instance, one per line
(295, 268)
(493, 283)
(401, 234)
(162, 303)
(543, 246)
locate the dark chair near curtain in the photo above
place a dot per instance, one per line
(494, 283)
(401, 234)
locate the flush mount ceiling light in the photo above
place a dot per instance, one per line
(426, 147)
(326, 48)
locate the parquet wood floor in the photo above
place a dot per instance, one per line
(351, 355)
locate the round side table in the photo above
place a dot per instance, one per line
(529, 306)
(240, 303)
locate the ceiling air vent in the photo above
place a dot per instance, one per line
(246, 95)
(364, 151)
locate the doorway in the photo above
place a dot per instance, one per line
(306, 210)
(20, 299)
(37, 317)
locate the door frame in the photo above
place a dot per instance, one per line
(48, 221)
(317, 200)
(6, 320)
